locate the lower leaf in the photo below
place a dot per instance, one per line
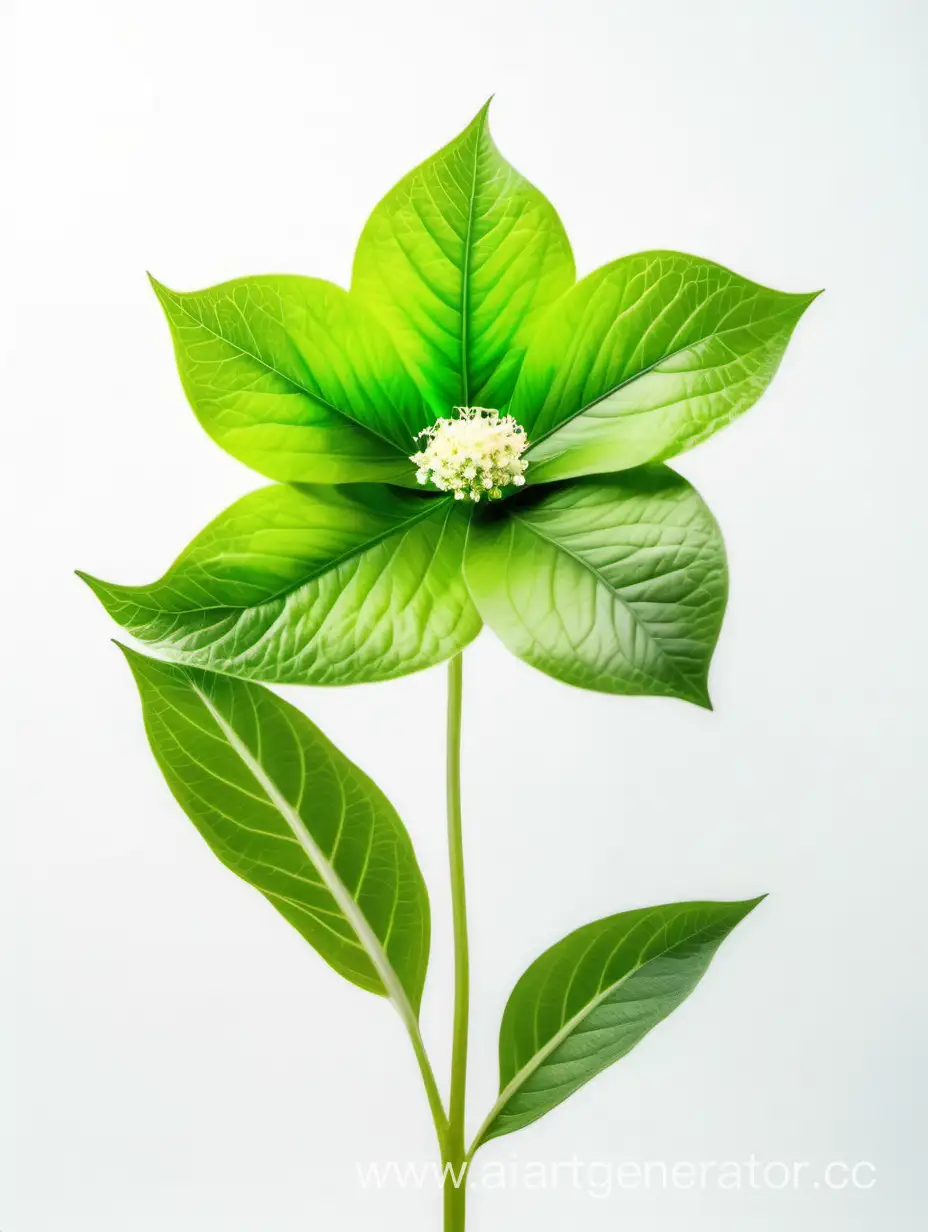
(287, 812)
(592, 997)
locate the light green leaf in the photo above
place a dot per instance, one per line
(291, 815)
(644, 358)
(311, 585)
(294, 378)
(591, 998)
(461, 260)
(616, 583)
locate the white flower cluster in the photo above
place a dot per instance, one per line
(477, 453)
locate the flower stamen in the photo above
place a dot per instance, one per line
(476, 453)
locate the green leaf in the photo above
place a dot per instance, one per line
(616, 583)
(291, 815)
(294, 378)
(592, 997)
(644, 358)
(461, 260)
(311, 585)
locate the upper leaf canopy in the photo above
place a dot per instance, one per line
(463, 295)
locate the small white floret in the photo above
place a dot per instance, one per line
(475, 453)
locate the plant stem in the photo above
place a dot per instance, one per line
(455, 1194)
(432, 1092)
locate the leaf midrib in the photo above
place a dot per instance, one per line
(465, 269)
(358, 922)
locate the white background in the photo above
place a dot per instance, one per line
(173, 1055)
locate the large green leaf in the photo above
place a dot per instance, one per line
(460, 260)
(591, 998)
(293, 377)
(311, 585)
(616, 583)
(291, 815)
(644, 358)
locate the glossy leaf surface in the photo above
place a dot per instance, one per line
(295, 379)
(645, 358)
(311, 585)
(616, 583)
(460, 261)
(591, 998)
(291, 815)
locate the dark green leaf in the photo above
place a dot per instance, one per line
(644, 358)
(460, 260)
(591, 998)
(311, 585)
(291, 815)
(616, 583)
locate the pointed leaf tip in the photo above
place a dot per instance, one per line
(88, 579)
(97, 585)
(159, 288)
(481, 119)
(138, 661)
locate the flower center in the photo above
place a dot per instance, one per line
(476, 453)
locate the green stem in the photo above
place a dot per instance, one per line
(455, 1192)
(432, 1092)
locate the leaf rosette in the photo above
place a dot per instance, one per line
(591, 559)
